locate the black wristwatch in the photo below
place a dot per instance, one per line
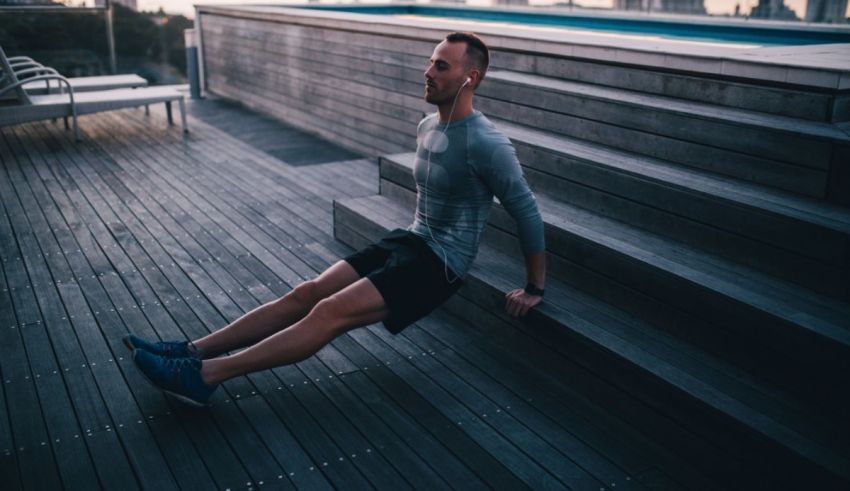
(531, 289)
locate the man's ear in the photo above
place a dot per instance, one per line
(475, 77)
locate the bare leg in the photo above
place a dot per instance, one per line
(357, 305)
(271, 317)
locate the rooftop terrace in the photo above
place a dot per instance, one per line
(696, 328)
(136, 229)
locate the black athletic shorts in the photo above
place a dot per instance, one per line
(407, 273)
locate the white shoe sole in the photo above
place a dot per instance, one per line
(179, 397)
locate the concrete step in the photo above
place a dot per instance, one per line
(705, 409)
(785, 324)
(776, 151)
(798, 239)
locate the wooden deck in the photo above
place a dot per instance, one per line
(138, 230)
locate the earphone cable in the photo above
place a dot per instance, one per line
(427, 179)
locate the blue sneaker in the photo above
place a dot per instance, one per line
(179, 377)
(166, 349)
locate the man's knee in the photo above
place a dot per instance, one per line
(306, 295)
(329, 313)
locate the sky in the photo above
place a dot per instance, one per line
(718, 7)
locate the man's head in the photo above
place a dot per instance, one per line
(459, 56)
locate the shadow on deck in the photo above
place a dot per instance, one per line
(136, 229)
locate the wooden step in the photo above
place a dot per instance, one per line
(795, 102)
(716, 416)
(796, 238)
(777, 151)
(794, 334)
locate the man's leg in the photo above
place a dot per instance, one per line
(356, 305)
(273, 316)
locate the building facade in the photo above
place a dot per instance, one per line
(673, 6)
(826, 11)
(130, 4)
(773, 9)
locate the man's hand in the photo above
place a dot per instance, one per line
(518, 302)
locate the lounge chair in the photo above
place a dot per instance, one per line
(79, 84)
(25, 107)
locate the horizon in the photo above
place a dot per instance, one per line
(713, 7)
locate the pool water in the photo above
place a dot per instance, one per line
(710, 30)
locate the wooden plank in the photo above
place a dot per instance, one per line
(757, 98)
(261, 207)
(205, 237)
(248, 445)
(282, 444)
(416, 470)
(705, 124)
(361, 143)
(220, 459)
(12, 363)
(364, 86)
(253, 29)
(694, 212)
(389, 357)
(148, 267)
(144, 387)
(530, 397)
(375, 469)
(421, 409)
(340, 117)
(309, 432)
(796, 103)
(717, 345)
(503, 448)
(376, 88)
(87, 396)
(439, 456)
(101, 262)
(257, 239)
(756, 169)
(8, 459)
(521, 424)
(147, 249)
(268, 135)
(290, 49)
(185, 461)
(577, 380)
(34, 431)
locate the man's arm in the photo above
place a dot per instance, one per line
(519, 302)
(503, 175)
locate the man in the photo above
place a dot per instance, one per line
(462, 162)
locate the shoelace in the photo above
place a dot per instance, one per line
(176, 365)
(168, 348)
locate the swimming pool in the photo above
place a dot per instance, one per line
(694, 28)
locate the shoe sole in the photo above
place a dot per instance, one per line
(179, 397)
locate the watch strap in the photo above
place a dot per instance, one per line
(531, 289)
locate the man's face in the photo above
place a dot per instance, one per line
(446, 72)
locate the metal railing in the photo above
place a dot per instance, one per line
(105, 9)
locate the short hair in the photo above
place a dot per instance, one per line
(477, 54)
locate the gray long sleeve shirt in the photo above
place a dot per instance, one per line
(457, 175)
